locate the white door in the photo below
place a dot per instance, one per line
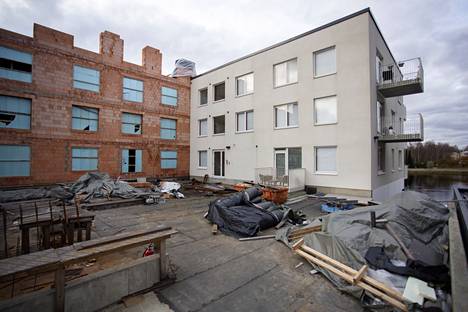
(218, 163)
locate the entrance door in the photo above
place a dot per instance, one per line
(219, 161)
(280, 162)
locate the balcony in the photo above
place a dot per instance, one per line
(294, 180)
(407, 77)
(409, 130)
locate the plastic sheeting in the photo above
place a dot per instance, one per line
(243, 215)
(184, 68)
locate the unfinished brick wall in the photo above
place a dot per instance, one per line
(51, 136)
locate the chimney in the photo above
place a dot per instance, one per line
(111, 46)
(152, 59)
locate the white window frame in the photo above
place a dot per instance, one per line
(245, 121)
(316, 171)
(214, 91)
(315, 62)
(288, 126)
(275, 84)
(316, 123)
(199, 128)
(199, 96)
(237, 85)
(199, 158)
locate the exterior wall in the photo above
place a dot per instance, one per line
(352, 134)
(51, 136)
(391, 181)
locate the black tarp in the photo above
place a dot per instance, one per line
(243, 214)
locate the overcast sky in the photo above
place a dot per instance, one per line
(214, 32)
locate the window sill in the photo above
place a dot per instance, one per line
(324, 75)
(246, 131)
(393, 170)
(167, 139)
(281, 128)
(203, 105)
(400, 169)
(218, 134)
(326, 124)
(219, 101)
(331, 173)
(79, 89)
(131, 102)
(203, 168)
(380, 172)
(285, 85)
(202, 136)
(84, 131)
(131, 134)
(169, 105)
(242, 95)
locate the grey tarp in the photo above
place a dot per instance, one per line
(418, 221)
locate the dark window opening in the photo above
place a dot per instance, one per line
(218, 124)
(15, 65)
(219, 92)
(131, 160)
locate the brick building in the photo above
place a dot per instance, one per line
(65, 111)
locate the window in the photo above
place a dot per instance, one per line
(168, 129)
(325, 159)
(85, 78)
(400, 160)
(286, 115)
(168, 96)
(203, 127)
(132, 90)
(393, 159)
(325, 110)
(218, 124)
(131, 160)
(244, 121)
(85, 118)
(15, 113)
(202, 159)
(15, 65)
(131, 123)
(204, 96)
(325, 62)
(380, 117)
(245, 84)
(294, 158)
(285, 73)
(84, 158)
(219, 91)
(168, 159)
(15, 161)
(381, 158)
(378, 68)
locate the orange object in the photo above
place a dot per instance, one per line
(278, 195)
(241, 186)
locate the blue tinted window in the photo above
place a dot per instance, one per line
(131, 123)
(132, 90)
(84, 158)
(168, 159)
(85, 118)
(169, 96)
(85, 78)
(168, 129)
(15, 65)
(15, 113)
(131, 160)
(15, 160)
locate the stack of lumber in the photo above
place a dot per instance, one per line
(352, 276)
(301, 232)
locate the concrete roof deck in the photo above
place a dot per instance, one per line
(220, 273)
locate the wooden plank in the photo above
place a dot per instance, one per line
(256, 238)
(360, 274)
(394, 302)
(214, 229)
(163, 259)
(60, 288)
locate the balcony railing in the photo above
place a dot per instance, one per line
(294, 180)
(403, 78)
(409, 130)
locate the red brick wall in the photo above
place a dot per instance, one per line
(51, 136)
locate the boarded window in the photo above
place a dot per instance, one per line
(84, 158)
(168, 129)
(131, 123)
(85, 118)
(168, 159)
(285, 73)
(245, 84)
(325, 62)
(131, 160)
(169, 96)
(204, 96)
(203, 127)
(202, 159)
(325, 159)
(132, 90)
(15, 161)
(15, 65)
(15, 113)
(286, 115)
(219, 91)
(85, 78)
(218, 124)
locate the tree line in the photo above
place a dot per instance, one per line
(430, 154)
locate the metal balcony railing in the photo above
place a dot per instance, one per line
(294, 180)
(403, 78)
(409, 130)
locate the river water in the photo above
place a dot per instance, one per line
(438, 187)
